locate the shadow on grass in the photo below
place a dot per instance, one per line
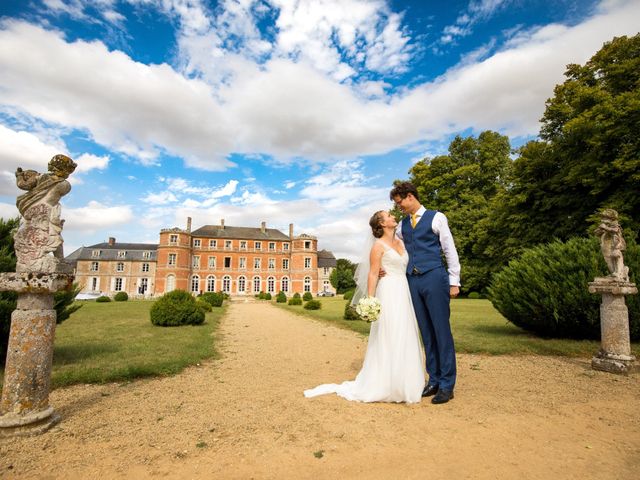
(64, 354)
(502, 330)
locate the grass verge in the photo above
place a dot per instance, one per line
(106, 342)
(477, 328)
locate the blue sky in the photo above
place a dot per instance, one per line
(281, 111)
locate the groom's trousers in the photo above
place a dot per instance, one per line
(430, 297)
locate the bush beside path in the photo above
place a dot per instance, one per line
(244, 416)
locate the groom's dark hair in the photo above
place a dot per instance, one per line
(402, 189)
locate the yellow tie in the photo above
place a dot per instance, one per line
(414, 220)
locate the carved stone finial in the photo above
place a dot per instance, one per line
(38, 241)
(612, 245)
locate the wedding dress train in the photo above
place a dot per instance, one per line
(393, 365)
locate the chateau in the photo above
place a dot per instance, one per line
(235, 260)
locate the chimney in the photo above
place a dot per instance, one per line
(189, 224)
(291, 231)
(112, 241)
(222, 223)
(263, 227)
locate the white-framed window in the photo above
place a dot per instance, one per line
(117, 284)
(284, 284)
(242, 263)
(227, 263)
(271, 285)
(307, 284)
(243, 244)
(257, 284)
(272, 264)
(145, 267)
(122, 253)
(307, 244)
(285, 247)
(227, 244)
(195, 283)
(94, 266)
(146, 255)
(197, 243)
(307, 262)
(257, 262)
(95, 253)
(226, 284)
(213, 244)
(242, 284)
(326, 285)
(172, 259)
(173, 239)
(211, 283)
(272, 246)
(212, 263)
(120, 267)
(257, 246)
(170, 283)
(95, 284)
(195, 262)
(326, 270)
(285, 264)
(143, 286)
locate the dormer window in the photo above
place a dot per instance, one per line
(307, 245)
(146, 255)
(122, 253)
(96, 253)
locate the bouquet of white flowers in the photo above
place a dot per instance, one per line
(368, 308)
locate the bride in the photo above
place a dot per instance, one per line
(393, 366)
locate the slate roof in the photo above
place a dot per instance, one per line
(244, 233)
(110, 252)
(326, 259)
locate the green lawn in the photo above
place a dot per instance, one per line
(104, 342)
(477, 328)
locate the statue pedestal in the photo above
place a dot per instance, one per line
(24, 406)
(615, 350)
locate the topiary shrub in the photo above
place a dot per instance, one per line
(176, 308)
(121, 297)
(295, 301)
(313, 305)
(103, 299)
(474, 295)
(214, 299)
(296, 295)
(261, 296)
(307, 296)
(204, 305)
(267, 296)
(281, 297)
(348, 295)
(350, 312)
(545, 290)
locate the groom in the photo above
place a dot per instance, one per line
(426, 234)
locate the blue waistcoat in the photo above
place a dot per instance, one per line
(422, 244)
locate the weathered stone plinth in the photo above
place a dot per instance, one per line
(24, 406)
(615, 350)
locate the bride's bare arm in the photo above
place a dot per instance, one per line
(375, 258)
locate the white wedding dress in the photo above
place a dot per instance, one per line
(393, 365)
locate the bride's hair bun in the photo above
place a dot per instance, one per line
(374, 222)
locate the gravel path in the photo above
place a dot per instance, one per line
(244, 416)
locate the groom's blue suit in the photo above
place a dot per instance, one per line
(429, 285)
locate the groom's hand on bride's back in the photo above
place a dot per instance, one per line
(381, 273)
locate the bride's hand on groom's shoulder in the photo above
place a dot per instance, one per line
(454, 291)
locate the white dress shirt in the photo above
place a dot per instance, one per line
(440, 227)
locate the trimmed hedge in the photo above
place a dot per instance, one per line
(296, 295)
(313, 305)
(474, 295)
(121, 297)
(281, 297)
(545, 290)
(267, 296)
(103, 299)
(176, 308)
(350, 312)
(348, 295)
(295, 301)
(204, 305)
(215, 299)
(307, 296)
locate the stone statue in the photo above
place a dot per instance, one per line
(612, 245)
(38, 241)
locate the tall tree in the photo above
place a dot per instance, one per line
(342, 276)
(462, 185)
